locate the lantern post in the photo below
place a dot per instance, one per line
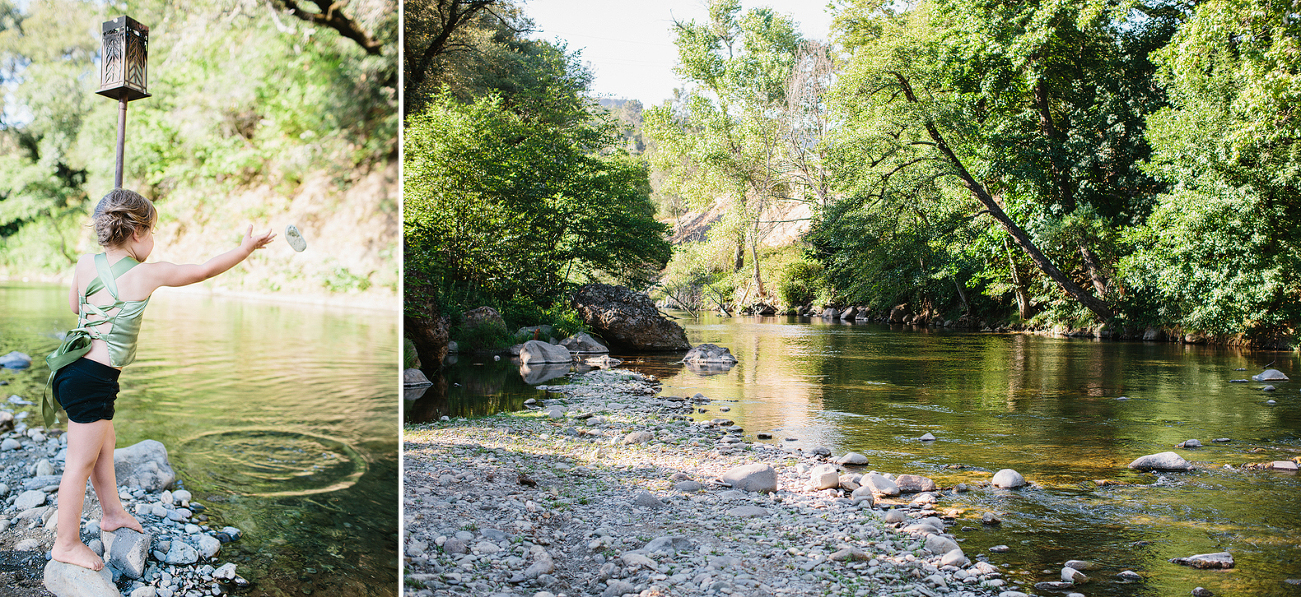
(122, 74)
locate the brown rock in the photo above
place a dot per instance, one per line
(628, 319)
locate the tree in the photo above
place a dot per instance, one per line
(1030, 110)
(510, 197)
(330, 14)
(723, 138)
(460, 44)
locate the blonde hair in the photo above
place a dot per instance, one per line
(120, 214)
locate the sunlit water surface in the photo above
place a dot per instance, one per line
(1046, 407)
(280, 418)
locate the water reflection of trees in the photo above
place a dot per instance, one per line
(471, 389)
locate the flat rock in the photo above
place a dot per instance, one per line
(30, 499)
(758, 478)
(1165, 461)
(1129, 576)
(954, 558)
(668, 545)
(709, 353)
(584, 343)
(849, 554)
(914, 483)
(637, 437)
(71, 580)
(853, 458)
(1187, 444)
(181, 554)
(1008, 479)
(1080, 565)
(1270, 375)
(687, 486)
(748, 512)
(1218, 560)
(1058, 586)
(1283, 465)
(646, 500)
(939, 544)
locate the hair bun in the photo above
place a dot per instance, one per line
(120, 214)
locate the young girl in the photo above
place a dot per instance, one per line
(109, 294)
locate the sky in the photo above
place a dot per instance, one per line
(628, 44)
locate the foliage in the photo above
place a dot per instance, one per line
(1222, 252)
(802, 282)
(515, 196)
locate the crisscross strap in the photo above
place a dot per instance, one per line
(77, 342)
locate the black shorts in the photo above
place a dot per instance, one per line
(86, 390)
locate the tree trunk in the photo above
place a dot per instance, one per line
(1018, 287)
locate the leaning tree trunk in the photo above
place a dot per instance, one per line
(1019, 236)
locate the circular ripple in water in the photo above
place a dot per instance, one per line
(267, 462)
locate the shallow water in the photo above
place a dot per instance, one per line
(1046, 407)
(282, 419)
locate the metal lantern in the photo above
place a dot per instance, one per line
(122, 74)
(125, 53)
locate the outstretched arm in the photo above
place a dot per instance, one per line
(171, 274)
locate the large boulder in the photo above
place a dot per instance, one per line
(1165, 461)
(583, 343)
(709, 353)
(898, 313)
(537, 352)
(144, 465)
(428, 332)
(628, 319)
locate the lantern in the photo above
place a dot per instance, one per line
(123, 60)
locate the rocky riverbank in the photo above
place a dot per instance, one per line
(177, 555)
(609, 489)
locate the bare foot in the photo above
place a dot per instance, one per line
(117, 521)
(78, 554)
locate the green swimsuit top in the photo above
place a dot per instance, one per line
(122, 317)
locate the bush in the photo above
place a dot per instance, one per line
(802, 281)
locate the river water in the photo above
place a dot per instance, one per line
(281, 418)
(1049, 408)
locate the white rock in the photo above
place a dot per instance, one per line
(824, 476)
(225, 572)
(853, 458)
(208, 546)
(1165, 461)
(1008, 479)
(71, 580)
(880, 485)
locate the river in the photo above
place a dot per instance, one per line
(1063, 412)
(281, 418)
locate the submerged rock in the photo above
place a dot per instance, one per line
(1270, 375)
(1220, 560)
(709, 353)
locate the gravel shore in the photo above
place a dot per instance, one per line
(610, 489)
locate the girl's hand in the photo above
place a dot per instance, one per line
(252, 243)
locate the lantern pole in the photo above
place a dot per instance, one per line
(123, 64)
(121, 141)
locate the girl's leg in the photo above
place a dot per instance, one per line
(104, 478)
(85, 441)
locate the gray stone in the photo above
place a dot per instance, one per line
(687, 486)
(1080, 565)
(758, 478)
(295, 238)
(30, 499)
(668, 545)
(145, 591)
(1008, 479)
(27, 545)
(1206, 560)
(989, 518)
(208, 546)
(1192, 443)
(709, 353)
(1165, 461)
(863, 494)
(128, 551)
(853, 458)
(1270, 375)
(824, 476)
(583, 343)
(618, 588)
(894, 516)
(954, 558)
(628, 319)
(1129, 576)
(71, 580)
(415, 378)
(1202, 592)
(939, 544)
(880, 485)
(225, 572)
(455, 546)
(646, 500)
(6, 421)
(748, 512)
(914, 483)
(849, 554)
(144, 465)
(927, 437)
(637, 437)
(542, 563)
(15, 360)
(44, 468)
(181, 554)
(1283, 465)
(10, 444)
(537, 352)
(1073, 576)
